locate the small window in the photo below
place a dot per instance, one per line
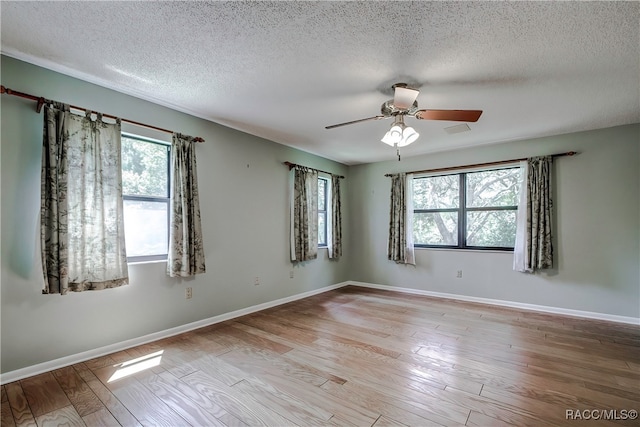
(436, 202)
(145, 192)
(491, 207)
(322, 212)
(471, 210)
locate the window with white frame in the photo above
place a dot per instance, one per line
(322, 211)
(145, 192)
(467, 210)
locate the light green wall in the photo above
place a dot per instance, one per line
(244, 207)
(597, 202)
(245, 223)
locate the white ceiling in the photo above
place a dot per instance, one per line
(284, 70)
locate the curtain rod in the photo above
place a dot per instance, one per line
(477, 165)
(41, 101)
(293, 165)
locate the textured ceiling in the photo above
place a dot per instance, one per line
(284, 70)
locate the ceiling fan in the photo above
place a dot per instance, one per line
(404, 104)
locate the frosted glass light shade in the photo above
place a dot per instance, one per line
(408, 136)
(394, 136)
(400, 136)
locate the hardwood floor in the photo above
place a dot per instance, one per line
(353, 356)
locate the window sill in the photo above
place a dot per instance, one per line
(482, 251)
(154, 261)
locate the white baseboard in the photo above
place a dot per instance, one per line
(40, 368)
(503, 303)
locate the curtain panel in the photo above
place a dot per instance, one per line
(304, 215)
(186, 248)
(81, 218)
(519, 255)
(534, 248)
(400, 247)
(335, 234)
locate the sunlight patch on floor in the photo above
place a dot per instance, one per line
(137, 365)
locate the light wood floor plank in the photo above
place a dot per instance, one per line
(180, 402)
(83, 399)
(100, 418)
(313, 369)
(146, 406)
(66, 416)
(283, 403)
(19, 405)
(241, 405)
(383, 421)
(115, 407)
(383, 405)
(6, 416)
(345, 412)
(44, 394)
(258, 362)
(476, 419)
(555, 414)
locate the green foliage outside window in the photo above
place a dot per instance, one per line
(144, 168)
(145, 188)
(487, 218)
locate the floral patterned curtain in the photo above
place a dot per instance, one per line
(81, 221)
(401, 220)
(304, 215)
(186, 249)
(335, 243)
(536, 249)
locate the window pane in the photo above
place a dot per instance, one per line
(322, 199)
(322, 228)
(144, 168)
(493, 188)
(145, 227)
(491, 228)
(435, 228)
(436, 192)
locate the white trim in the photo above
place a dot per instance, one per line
(503, 303)
(40, 368)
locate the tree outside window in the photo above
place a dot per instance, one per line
(146, 192)
(471, 210)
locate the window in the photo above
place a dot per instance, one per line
(146, 192)
(322, 212)
(470, 210)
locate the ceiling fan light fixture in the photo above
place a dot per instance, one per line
(400, 135)
(409, 135)
(394, 135)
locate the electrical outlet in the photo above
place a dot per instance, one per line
(188, 293)
(257, 281)
(291, 274)
(459, 274)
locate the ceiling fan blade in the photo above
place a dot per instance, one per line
(450, 115)
(355, 121)
(404, 97)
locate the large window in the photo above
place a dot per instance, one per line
(470, 210)
(322, 212)
(145, 189)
